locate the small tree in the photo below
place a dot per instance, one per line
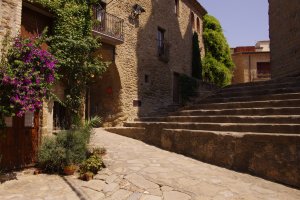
(196, 60)
(217, 64)
(74, 46)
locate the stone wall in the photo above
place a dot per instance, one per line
(137, 58)
(285, 37)
(246, 66)
(274, 157)
(10, 18)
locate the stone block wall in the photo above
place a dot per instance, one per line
(285, 37)
(137, 58)
(10, 18)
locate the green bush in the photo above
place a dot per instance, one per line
(217, 64)
(51, 156)
(75, 145)
(67, 148)
(93, 164)
(216, 72)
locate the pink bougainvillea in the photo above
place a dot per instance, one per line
(26, 78)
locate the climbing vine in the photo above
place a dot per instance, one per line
(217, 63)
(74, 47)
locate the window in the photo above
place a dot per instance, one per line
(176, 7)
(146, 78)
(160, 41)
(198, 24)
(263, 69)
(193, 20)
(163, 47)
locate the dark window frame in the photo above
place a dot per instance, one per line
(176, 7)
(193, 20)
(160, 41)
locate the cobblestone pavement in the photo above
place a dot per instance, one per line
(137, 171)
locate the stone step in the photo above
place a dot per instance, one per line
(241, 111)
(267, 97)
(236, 127)
(277, 119)
(255, 93)
(269, 83)
(247, 104)
(260, 87)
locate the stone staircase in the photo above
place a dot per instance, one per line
(252, 128)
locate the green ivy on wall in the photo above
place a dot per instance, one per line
(217, 64)
(74, 46)
(188, 87)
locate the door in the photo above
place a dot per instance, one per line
(20, 141)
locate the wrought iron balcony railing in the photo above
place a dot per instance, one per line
(110, 27)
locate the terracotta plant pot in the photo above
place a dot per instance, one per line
(88, 176)
(70, 169)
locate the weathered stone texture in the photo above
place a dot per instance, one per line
(138, 55)
(285, 37)
(275, 157)
(10, 18)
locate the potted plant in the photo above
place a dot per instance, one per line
(87, 176)
(70, 169)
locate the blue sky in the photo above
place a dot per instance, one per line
(244, 21)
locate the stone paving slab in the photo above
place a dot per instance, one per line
(137, 171)
(180, 177)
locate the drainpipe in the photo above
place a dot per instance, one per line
(250, 75)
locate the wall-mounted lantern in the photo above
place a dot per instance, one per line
(136, 11)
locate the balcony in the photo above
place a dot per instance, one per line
(108, 27)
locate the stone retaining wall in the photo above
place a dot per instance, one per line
(271, 156)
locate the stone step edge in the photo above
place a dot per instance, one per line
(241, 102)
(237, 99)
(235, 134)
(235, 109)
(205, 123)
(218, 116)
(291, 84)
(268, 82)
(242, 93)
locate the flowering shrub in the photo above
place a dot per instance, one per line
(26, 77)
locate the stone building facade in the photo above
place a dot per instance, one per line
(285, 37)
(252, 63)
(148, 45)
(139, 80)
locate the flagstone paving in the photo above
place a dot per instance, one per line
(137, 171)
